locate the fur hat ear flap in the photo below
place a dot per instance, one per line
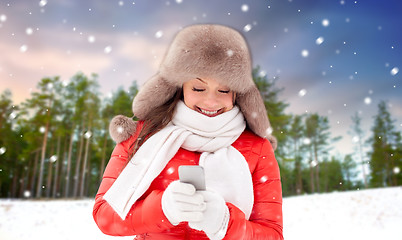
(252, 106)
(121, 128)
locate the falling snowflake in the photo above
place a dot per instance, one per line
(27, 194)
(42, 3)
(170, 170)
(313, 163)
(319, 40)
(356, 139)
(121, 3)
(120, 129)
(307, 141)
(49, 86)
(396, 170)
(179, 1)
(29, 31)
(107, 49)
(263, 73)
(263, 179)
(53, 158)
(42, 129)
(91, 39)
(367, 100)
(244, 8)
(325, 22)
(229, 53)
(13, 115)
(269, 131)
(2, 150)
(158, 34)
(304, 53)
(23, 48)
(88, 134)
(394, 71)
(247, 28)
(3, 18)
(302, 92)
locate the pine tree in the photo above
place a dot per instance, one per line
(275, 108)
(385, 146)
(348, 171)
(44, 102)
(10, 146)
(331, 178)
(358, 139)
(296, 135)
(86, 107)
(317, 132)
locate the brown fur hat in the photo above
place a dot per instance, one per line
(207, 51)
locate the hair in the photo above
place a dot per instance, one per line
(156, 120)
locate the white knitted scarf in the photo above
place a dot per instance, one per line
(226, 170)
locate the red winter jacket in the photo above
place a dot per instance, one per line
(146, 218)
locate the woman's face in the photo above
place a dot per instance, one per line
(207, 96)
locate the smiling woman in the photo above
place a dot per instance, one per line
(201, 108)
(208, 97)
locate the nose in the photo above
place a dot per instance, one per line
(212, 101)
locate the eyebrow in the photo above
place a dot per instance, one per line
(202, 81)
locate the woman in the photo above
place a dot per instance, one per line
(201, 108)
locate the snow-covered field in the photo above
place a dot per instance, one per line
(366, 214)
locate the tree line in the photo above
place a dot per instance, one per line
(56, 143)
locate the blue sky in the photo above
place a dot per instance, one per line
(352, 49)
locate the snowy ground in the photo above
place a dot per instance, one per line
(366, 214)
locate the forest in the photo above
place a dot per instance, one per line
(56, 143)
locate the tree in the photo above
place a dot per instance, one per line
(275, 108)
(348, 167)
(331, 178)
(386, 143)
(358, 139)
(43, 102)
(85, 110)
(318, 136)
(10, 167)
(296, 135)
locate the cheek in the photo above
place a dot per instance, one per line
(228, 101)
(189, 99)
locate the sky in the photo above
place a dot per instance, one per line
(331, 57)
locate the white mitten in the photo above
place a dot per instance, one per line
(216, 216)
(181, 202)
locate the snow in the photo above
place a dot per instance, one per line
(365, 214)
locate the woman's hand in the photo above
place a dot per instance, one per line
(181, 202)
(215, 218)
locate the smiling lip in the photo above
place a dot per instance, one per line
(210, 113)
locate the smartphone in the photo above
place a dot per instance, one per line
(193, 174)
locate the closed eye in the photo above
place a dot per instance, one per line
(222, 91)
(198, 89)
